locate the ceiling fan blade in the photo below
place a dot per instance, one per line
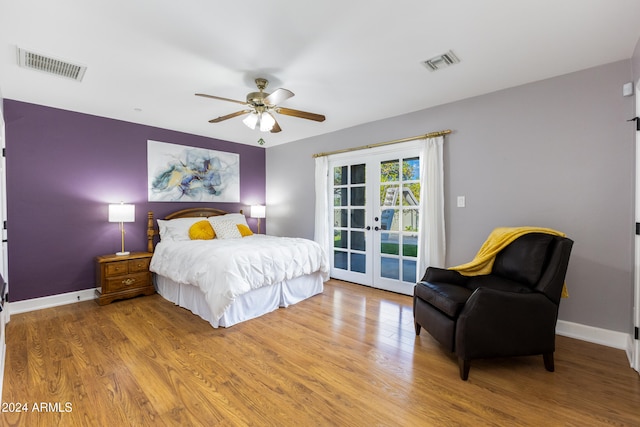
(229, 116)
(276, 127)
(221, 98)
(278, 96)
(301, 114)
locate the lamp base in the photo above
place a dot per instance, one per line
(122, 253)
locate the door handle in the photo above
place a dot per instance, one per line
(368, 228)
(376, 228)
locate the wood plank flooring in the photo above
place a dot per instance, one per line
(348, 357)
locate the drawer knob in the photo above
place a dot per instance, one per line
(128, 281)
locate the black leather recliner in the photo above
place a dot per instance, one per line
(510, 312)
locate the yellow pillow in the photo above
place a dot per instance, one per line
(244, 230)
(201, 230)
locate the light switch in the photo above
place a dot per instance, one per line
(461, 201)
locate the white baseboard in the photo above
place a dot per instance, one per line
(605, 337)
(629, 351)
(50, 301)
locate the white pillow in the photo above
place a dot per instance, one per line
(236, 218)
(226, 229)
(176, 229)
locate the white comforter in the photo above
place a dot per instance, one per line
(225, 269)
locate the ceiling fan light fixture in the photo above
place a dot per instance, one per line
(266, 122)
(261, 120)
(251, 120)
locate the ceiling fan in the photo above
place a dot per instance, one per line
(260, 107)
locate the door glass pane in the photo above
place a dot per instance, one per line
(389, 170)
(411, 194)
(389, 219)
(411, 169)
(358, 263)
(410, 245)
(358, 174)
(389, 243)
(357, 196)
(340, 197)
(409, 270)
(389, 195)
(340, 218)
(340, 260)
(340, 175)
(386, 217)
(410, 219)
(389, 268)
(357, 218)
(340, 238)
(358, 240)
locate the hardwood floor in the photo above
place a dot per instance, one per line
(348, 357)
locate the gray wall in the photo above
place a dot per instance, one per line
(635, 62)
(556, 153)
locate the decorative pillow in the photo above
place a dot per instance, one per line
(226, 230)
(244, 230)
(236, 218)
(202, 230)
(176, 229)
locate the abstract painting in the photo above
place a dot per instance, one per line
(177, 173)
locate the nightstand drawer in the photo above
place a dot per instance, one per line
(135, 280)
(116, 268)
(137, 265)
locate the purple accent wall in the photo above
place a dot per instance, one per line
(64, 168)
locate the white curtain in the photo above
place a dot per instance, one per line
(322, 229)
(432, 247)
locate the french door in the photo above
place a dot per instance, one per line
(375, 217)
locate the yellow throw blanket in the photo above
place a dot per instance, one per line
(498, 240)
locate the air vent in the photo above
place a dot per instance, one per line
(50, 65)
(441, 61)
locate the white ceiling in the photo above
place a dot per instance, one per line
(354, 61)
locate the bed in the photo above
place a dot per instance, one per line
(229, 279)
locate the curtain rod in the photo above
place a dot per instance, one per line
(380, 144)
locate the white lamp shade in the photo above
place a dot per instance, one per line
(267, 121)
(251, 120)
(122, 213)
(258, 211)
(262, 120)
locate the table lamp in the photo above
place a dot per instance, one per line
(122, 213)
(258, 211)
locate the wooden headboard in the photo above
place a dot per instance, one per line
(152, 230)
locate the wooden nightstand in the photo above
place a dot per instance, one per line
(123, 276)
